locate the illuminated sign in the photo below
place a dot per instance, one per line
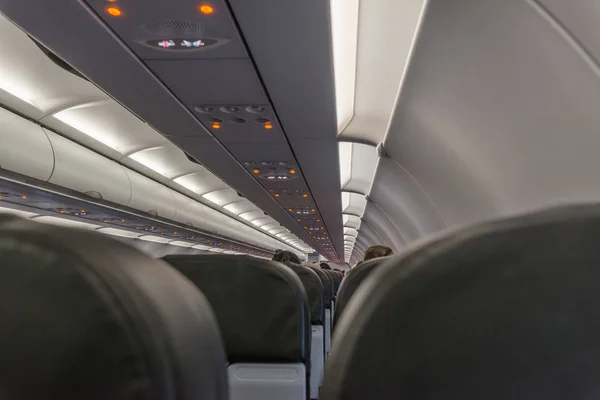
(181, 44)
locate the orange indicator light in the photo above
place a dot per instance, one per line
(268, 125)
(114, 11)
(256, 170)
(206, 9)
(292, 171)
(216, 125)
(24, 197)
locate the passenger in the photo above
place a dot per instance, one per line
(286, 256)
(377, 251)
(325, 266)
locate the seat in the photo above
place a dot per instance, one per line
(87, 317)
(328, 286)
(503, 310)
(263, 314)
(337, 276)
(315, 291)
(352, 281)
(334, 281)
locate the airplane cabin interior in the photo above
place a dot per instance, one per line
(299, 200)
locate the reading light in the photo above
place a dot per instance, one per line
(114, 11)
(206, 9)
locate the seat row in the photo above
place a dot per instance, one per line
(506, 309)
(90, 317)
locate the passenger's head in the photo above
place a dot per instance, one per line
(286, 256)
(325, 266)
(377, 251)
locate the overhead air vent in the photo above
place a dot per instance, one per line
(173, 28)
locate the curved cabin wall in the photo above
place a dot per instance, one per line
(497, 114)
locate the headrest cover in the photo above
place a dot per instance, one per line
(327, 286)
(352, 281)
(314, 290)
(503, 310)
(261, 306)
(87, 317)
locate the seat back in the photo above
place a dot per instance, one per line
(87, 317)
(351, 283)
(503, 310)
(328, 286)
(334, 282)
(315, 291)
(263, 314)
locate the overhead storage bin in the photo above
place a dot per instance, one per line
(189, 212)
(85, 171)
(150, 196)
(24, 147)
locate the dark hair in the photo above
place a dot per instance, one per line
(325, 266)
(377, 251)
(286, 256)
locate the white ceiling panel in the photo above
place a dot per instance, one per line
(351, 221)
(168, 161)
(386, 29)
(344, 27)
(108, 123)
(240, 207)
(262, 221)
(350, 232)
(252, 215)
(357, 166)
(201, 181)
(222, 197)
(353, 203)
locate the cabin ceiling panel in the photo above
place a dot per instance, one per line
(386, 29)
